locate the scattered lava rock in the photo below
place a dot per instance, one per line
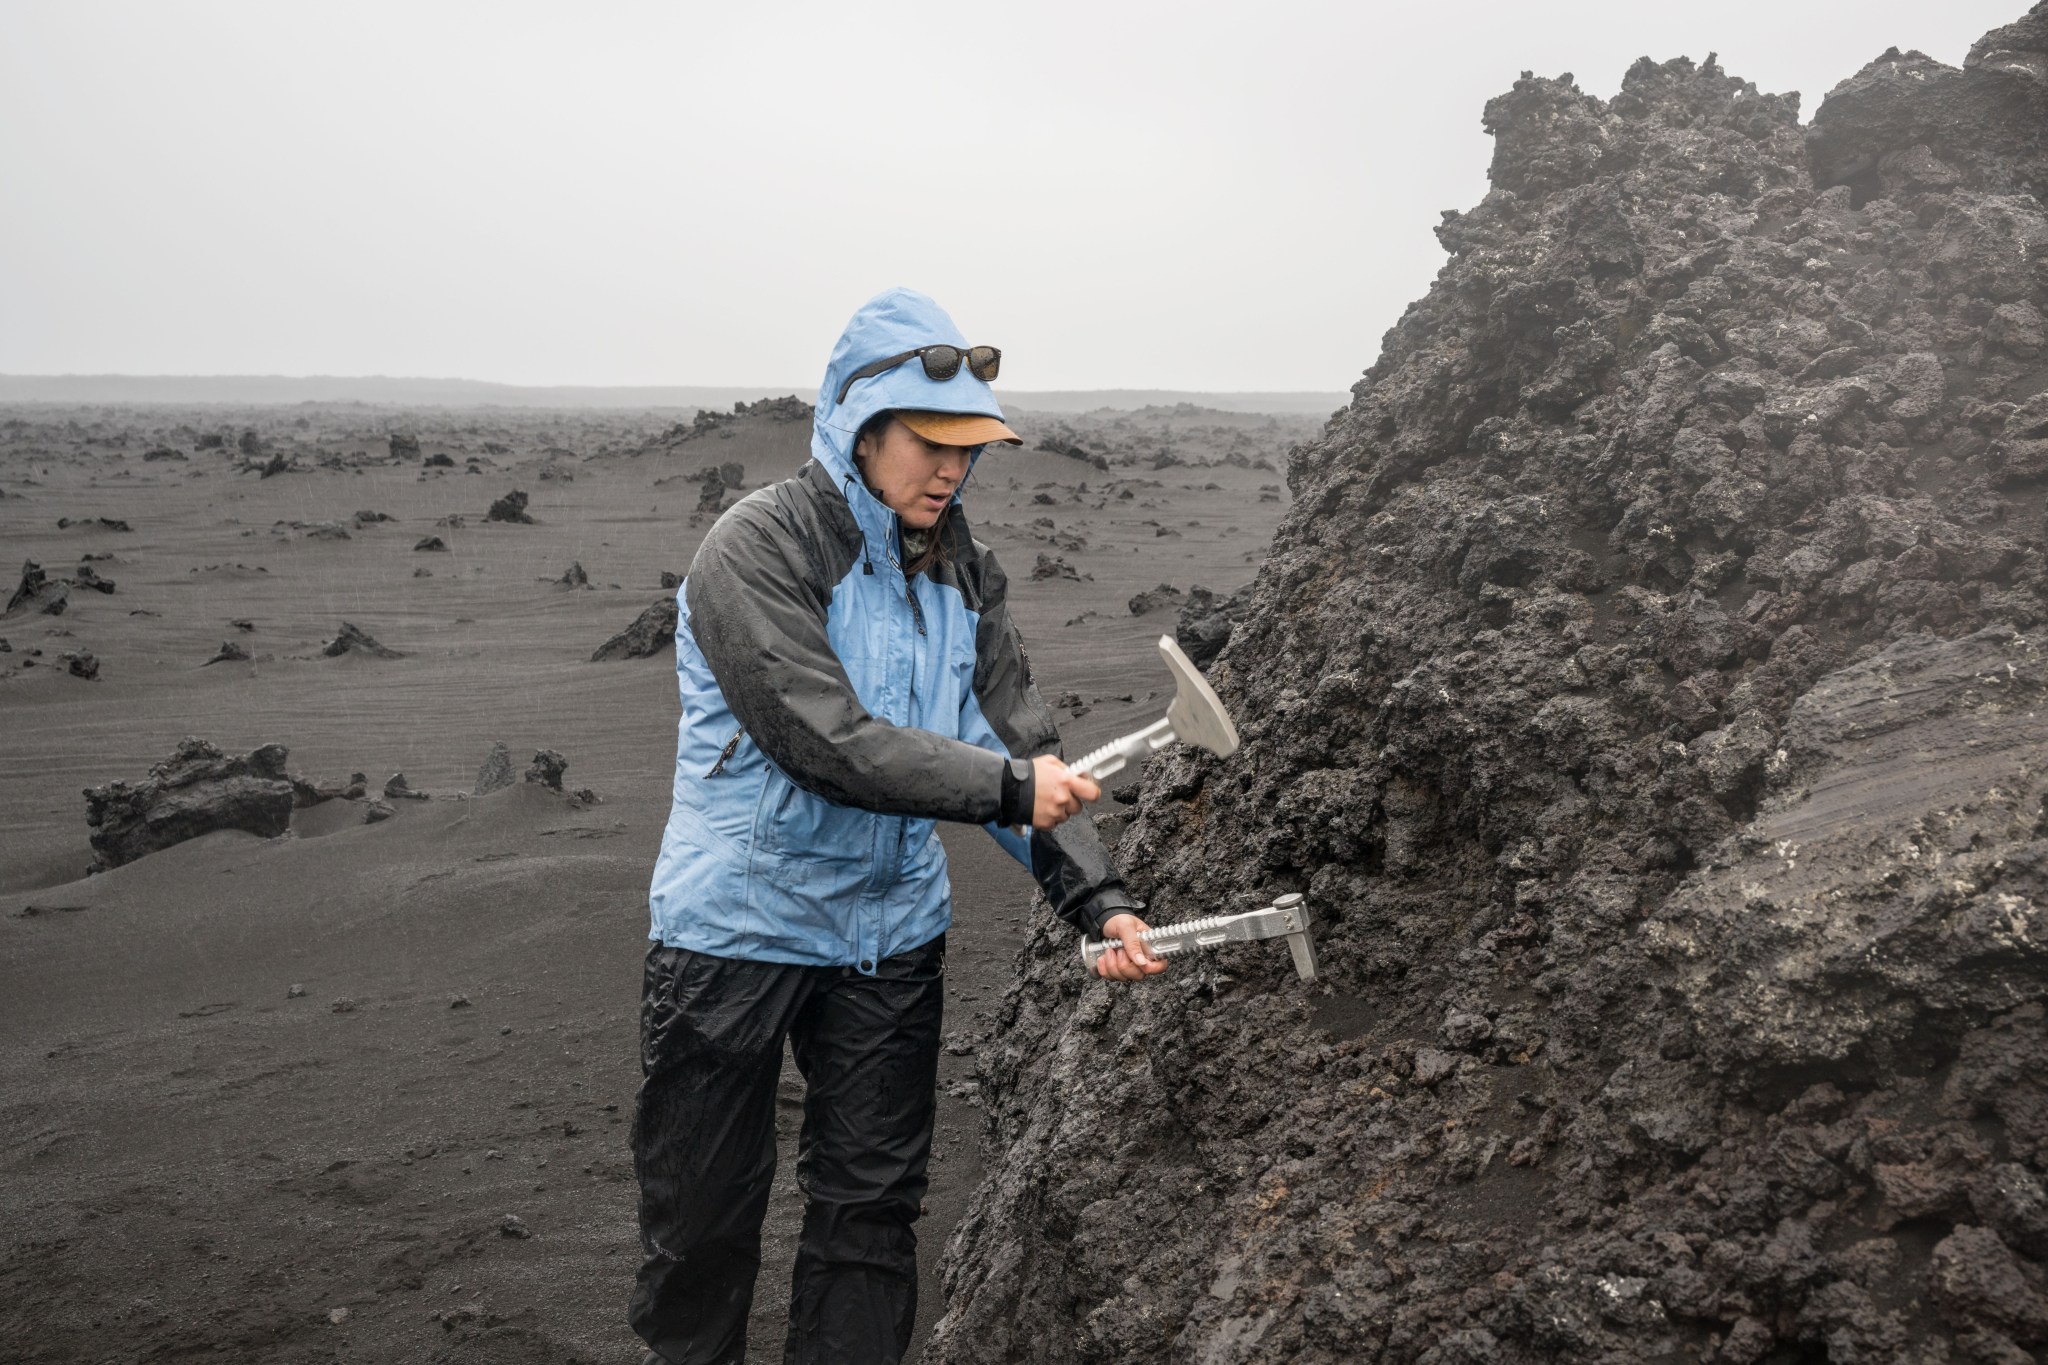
(652, 631)
(397, 789)
(573, 577)
(197, 790)
(354, 639)
(1644, 687)
(163, 453)
(431, 544)
(230, 653)
(511, 507)
(1205, 624)
(38, 592)
(547, 769)
(1152, 599)
(1053, 566)
(102, 523)
(81, 663)
(85, 576)
(496, 771)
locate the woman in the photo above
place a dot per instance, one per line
(849, 677)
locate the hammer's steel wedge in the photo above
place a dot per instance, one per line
(1287, 916)
(1195, 717)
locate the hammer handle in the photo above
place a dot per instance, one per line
(1112, 757)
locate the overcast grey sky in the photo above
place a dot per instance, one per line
(1118, 195)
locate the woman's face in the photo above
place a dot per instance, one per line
(914, 478)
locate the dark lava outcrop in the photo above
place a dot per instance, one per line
(652, 631)
(1648, 689)
(195, 791)
(511, 507)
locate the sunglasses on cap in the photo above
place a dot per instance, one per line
(940, 363)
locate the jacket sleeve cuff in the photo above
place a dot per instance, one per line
(1020, 793)
(1103, 906)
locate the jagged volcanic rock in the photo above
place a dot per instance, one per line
(511, 507)
(1646, 688)
(652, 630)
(1205, 624)
(195, 791)
(496, 770)
(38, 592)
(354, 639)
(547, 768)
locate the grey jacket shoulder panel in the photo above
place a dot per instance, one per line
(759, 590)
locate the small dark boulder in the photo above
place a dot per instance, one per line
(671, 581)
(440, 461)
(197, 790)
(163, 453)
(367, 518)
(82, 664)
(87, 577)
(547, 769)
(353, 639)
(230, 653)
(573, 577)
(733, 473)
(431, 543)
(405, 446)
(276, 464)
(511, 507)
(652, 631)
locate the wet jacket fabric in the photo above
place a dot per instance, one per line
(834, 710)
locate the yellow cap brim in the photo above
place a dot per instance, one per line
(958, 428)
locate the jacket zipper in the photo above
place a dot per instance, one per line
(725, 755)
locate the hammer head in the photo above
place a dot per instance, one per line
(1197, 715)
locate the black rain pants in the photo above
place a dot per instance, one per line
(711, 1034)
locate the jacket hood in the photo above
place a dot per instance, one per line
(890, 323)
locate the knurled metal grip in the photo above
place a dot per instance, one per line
(1286, 917)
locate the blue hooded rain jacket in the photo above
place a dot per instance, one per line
(834, 709)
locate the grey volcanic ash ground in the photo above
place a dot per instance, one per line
(271, 1093)
(1648, 688)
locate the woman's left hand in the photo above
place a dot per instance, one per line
(1130, 963)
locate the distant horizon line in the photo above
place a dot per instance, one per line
(263, 390)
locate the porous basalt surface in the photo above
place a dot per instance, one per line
(1647, 687)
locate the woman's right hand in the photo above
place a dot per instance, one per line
(1060, 792)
